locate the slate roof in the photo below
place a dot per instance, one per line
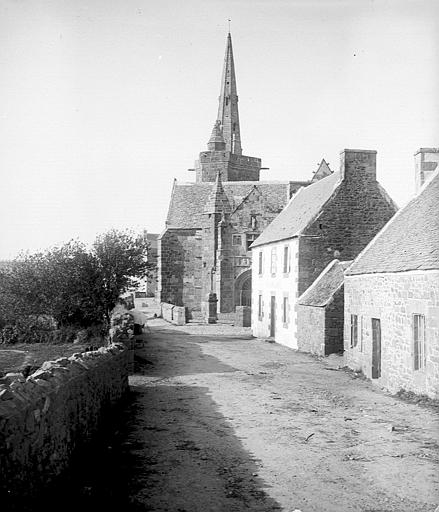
(329, 281)
(300, 211)
(409, 241)
(189, 199)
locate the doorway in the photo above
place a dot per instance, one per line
(376, 348)
(243, 289)
(273, 316)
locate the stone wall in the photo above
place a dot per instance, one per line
(180, 268)
(348, 222)
(47, 416)
(311, 329)
(232, 167)
(320, 328)
(174, 314)
(334, 324)
(394, 299)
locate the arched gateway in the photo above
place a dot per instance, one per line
(243, 289)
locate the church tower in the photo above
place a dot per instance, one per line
(224, 153)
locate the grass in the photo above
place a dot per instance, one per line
(19, 357)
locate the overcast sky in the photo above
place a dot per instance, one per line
(105, 102)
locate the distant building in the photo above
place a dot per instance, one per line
(212, 223)
(148, 287)
(334, 217)
(392, 299)
(320, 312)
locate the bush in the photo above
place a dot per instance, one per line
(31, 330)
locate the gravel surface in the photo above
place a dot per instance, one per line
(221, 421)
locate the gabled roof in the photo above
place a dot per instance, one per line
(188, 200)
(409, 241)
(303, 207)
(322, 171)
(324, 287)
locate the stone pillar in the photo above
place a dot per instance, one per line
(210, 308)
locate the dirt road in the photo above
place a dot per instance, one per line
(221, 421)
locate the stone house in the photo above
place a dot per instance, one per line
(392, 300)
(334, 217)
(212, 222)
(320, 312)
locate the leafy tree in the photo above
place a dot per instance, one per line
(121, 260)
(71, 284)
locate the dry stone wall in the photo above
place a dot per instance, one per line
(47, 416)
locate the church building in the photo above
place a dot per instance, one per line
(212, 222)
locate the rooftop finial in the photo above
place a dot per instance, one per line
(229, 20)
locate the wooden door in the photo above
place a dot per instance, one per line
(376, 348)
(273, 316)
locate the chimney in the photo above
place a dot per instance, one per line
(358, 164)
(426, 162)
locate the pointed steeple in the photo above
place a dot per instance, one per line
(228, 114)
(216, 141)
(218, 201)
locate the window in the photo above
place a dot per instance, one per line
(285, 310)
(419, 348)
(286, 260)
(236, 239)
(250, 239)
(354, 330)
(260, 263)
(260, 307)
(362, 326)
(253, 221)
(273, 260)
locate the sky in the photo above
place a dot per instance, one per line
(105, 102)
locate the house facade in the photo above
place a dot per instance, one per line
(335, 217)
(391, 330)
(212, 222)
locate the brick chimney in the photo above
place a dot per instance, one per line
(426, 162)
(358, 164)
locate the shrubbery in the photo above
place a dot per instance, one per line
(50, 295)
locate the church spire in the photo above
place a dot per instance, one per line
(228, 114)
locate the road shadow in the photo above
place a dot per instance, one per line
(169, 353)
(185, 456)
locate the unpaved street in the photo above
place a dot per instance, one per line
(221, 421)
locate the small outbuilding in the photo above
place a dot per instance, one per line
(391, 328)
(320, 312)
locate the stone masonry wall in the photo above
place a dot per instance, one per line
(344, 227)
(173, 314)
(45, 417)
(394, 299)
(335, 324)
(311, 329)
(180, 268)
(232, 167)
(320, 329)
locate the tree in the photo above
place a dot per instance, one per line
(121, 258)
(71, 284)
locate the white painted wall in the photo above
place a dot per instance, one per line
(279, 284)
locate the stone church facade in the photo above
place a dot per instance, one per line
(212, 222)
